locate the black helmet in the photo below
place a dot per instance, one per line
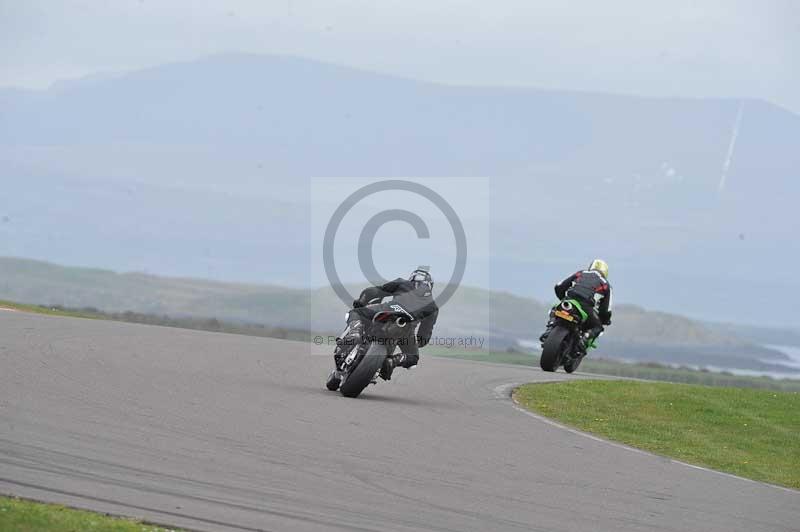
(421, 280)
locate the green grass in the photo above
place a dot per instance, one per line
(25, 516)
(50, 311)
(202, 324)
(751, 433)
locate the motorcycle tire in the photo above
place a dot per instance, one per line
(572, 365)
(360, 377)
(553, 348)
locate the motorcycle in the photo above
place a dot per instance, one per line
(363, 363)
(564, 344)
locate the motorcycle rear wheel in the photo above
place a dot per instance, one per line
(553, 348)
(360, 377)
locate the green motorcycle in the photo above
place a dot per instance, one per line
(565, 344)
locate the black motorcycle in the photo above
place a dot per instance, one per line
(363, 363)
(564, 344)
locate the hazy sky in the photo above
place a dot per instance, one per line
(694, 48)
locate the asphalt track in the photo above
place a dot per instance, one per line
(223, 432)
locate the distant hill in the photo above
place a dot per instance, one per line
(500, 318)
(202, 168)
(763, 335)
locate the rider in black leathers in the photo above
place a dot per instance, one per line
(415, 296)
(592, 290)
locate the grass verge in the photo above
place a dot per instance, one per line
(22, 515)
(47, 310)
(199, 324)
(750, 433)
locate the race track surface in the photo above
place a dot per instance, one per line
(223, 432)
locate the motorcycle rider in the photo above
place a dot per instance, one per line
(415, 296)
(591, 289)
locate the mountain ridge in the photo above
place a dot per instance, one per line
(200, 169)
(70, 83)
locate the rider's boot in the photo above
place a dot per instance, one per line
(587, 340)
(387, 368)
(395, 361)
(592, 335)
(581, 347)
